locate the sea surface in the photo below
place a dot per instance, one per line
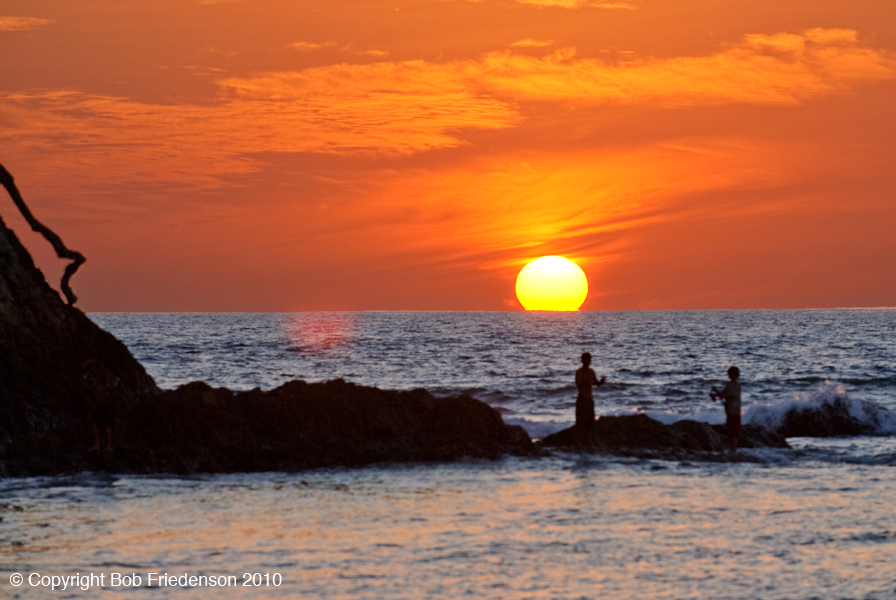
(816, 521)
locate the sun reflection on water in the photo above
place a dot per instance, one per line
(320, 332)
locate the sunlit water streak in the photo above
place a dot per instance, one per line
(562, 527)
(813, 522)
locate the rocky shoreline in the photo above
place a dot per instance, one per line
(640, 436)
(57, 367)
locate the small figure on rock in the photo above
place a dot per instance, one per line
(585, 379)
(730, 395)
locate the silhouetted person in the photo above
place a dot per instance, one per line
(585, 378)
(730, 395)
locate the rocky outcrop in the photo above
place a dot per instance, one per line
(632, 434)
(56, 365)
(197, 428)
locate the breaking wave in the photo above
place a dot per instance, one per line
(830, 401)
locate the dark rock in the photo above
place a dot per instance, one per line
(756, 436)
(834, 417)
(57, 366)
(300, 425)
(629, 433)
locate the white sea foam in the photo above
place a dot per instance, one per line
(771, 416)
(538, 429)
(705, 415)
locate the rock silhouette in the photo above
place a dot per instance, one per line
(197, 428)
(56, 366)
(633, 434)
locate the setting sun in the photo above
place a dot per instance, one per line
(551, 283)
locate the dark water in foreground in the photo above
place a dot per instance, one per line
(814, 522)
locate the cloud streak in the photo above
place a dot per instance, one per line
(580, 4)
(530, 43)
(777, 69)
(411, 106)
(22, 23)
(392, 108)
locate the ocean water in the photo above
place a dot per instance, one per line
(817, 521)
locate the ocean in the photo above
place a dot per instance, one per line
(816, 521)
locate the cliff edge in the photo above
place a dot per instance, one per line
(59, 370)
(56, 366)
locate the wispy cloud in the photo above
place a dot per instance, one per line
(411, 106)
(22, 23)
(392, 108)
(775, 69)
(530, 43)
(581, 4)
(615, 5)
(310, 45)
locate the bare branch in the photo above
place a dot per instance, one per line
(61, 250)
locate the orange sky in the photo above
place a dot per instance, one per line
(268, 155)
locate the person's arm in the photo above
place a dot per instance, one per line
(595, 380)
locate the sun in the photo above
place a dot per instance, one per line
(551, 283)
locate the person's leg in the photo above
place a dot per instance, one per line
(732, 427)
(580, 424)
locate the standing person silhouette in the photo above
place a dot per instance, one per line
(585, 378)
(730, 395)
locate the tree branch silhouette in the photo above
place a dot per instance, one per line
(61, 250)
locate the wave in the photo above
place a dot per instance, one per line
(827, 411)
(539, 429)
(824, 412)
